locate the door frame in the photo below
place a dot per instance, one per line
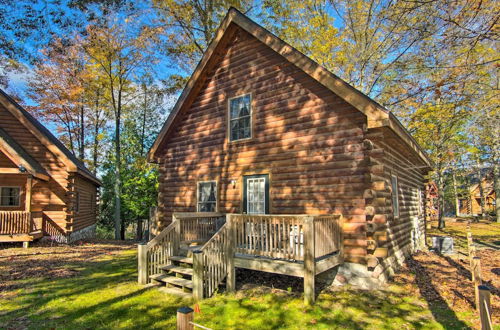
(266, 191)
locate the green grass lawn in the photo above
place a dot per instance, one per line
(485, 233)
(76, 291)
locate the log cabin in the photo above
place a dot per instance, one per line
(272, 163)
(44, 189)
(470, 203)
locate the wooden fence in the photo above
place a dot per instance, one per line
(15, 222)
(481, 292)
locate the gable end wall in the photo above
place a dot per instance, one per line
(306, 138)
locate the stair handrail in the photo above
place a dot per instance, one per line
(157, 239)
(214, 262)
(156, 253)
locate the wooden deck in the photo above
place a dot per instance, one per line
(203, 249)
(18, 226)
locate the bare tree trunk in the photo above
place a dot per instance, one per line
(117, 186)
(440, 186)
(95, 151)
(457, 202)
(82, 134)
(480, 185)
(496, 182)
(143, 130)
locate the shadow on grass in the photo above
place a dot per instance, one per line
(103, 293)
(261, 308)
(437, 304)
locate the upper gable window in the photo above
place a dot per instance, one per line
(240, 118)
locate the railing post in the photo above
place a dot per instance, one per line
(197, 275)
(476, 278)
(231, 276)
(142, 259)
(340, 227)
(177, 237)
(185, 318)
(309, 260)
(485, 307)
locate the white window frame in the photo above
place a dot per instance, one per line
(216, 195)
(395, 195)
(256, 179)
(229, 118)
(19, 197)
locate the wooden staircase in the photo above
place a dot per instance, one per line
(176, 277)
(198, 252)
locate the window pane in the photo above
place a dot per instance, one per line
(9, 196)
(207, 196)
(239, 113)
(244, 125)
(235, 129)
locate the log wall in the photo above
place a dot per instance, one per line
(306, 138)
(391, 237)
(6, 162)
(50, 199)
(87, 213)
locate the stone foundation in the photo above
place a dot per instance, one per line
(361, 276)
(353, 274)
(85, 233)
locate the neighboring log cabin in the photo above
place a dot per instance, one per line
(470, 204)
(44, 189)
(261, 129)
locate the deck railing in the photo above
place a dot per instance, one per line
(314, 241)
(198, 226)
(15, 222)
(327, 235)
(184, 227)
(282, 236)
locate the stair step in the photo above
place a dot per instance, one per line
(172, 280)
(176, 292)
(182, 259)
(178, 269)
(195, 241)
(191, 248)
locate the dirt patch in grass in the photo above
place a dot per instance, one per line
(445, 283)
(50, 260)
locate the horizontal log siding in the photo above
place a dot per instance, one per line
(49, 198)
(307, 139)
(86, 216)
(6, 162)
(395, 233)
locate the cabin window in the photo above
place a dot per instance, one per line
(395, 197)
(240, 118)
(9, 196)
(207, 196)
